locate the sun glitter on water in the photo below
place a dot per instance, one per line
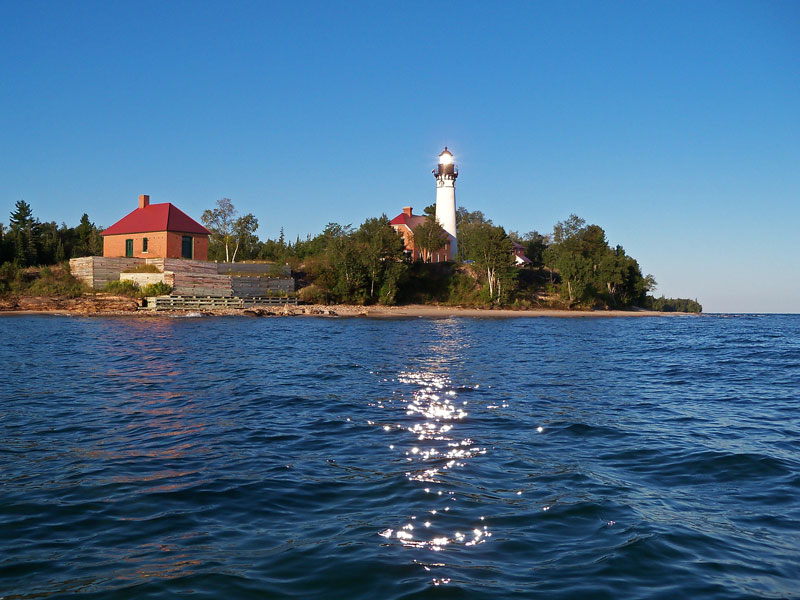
(432, 448)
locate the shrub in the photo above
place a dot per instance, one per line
(122, 288)
(156, 289)
(313, 294)
(673, 304)
(54, 280)
(143, 269)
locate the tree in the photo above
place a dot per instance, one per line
(25, 232)
(535, 245)
(381, 251)
(87, 240)
(465, 217)
(244, 234)
(430, 237)
(343, 274)
(567, 229)
(5, 253)
(590, 270)
(491, 251)
(467, 224)
(220, 222)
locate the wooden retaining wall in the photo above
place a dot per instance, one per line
(262, 269)
(193, 277)
(260, 286)
(187, 277)
(143, 279)
(97, 271)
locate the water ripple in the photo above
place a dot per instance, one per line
(405, 459)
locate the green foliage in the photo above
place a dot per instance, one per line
(127, 287)
(442, 283)
(29, 242)
(366, 265)
(360, 266)
(55, 280)
(122, 288)
(468, 225)
(535, 244)
(380, 252)
(219, 221)
(489, 248)
(232, 237)
(244, 231)
(156, 289)
(143, 269)
(673, 304)
(430, 237)
(590, 271)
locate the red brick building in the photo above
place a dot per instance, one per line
(406, 222)
(156, 231)
(518, 250)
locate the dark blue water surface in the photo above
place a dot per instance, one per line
(414, 458)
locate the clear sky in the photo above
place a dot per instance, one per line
(673, 125)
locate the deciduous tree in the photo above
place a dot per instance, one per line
(430, 237)
(220, 222)
(491, 251)
(244, 236)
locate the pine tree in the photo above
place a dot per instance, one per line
(26, 232)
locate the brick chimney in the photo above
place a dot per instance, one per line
(144, 200)
(407, 211)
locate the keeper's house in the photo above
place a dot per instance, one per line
(156, 231)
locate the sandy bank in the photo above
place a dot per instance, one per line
(115, 307)
(421, 310)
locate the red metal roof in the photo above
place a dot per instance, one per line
(157, 217)
(409, 221)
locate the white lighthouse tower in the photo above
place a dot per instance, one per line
(446, 174)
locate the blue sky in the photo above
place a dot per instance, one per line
(675, 126)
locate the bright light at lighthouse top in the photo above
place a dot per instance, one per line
(447, 167)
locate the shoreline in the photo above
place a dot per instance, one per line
(352, 311)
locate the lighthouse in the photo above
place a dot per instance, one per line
(446, 174)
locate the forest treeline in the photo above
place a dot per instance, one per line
(572, 267)
(27, 241)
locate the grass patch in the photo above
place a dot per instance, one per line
(49, 281)
(122, 288)
(156, 289)
(143, 269)
(130, 289)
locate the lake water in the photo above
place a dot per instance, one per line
(414, 458)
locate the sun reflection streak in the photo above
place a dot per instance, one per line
(432, 447)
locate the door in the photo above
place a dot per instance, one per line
(129, 248)
(186, 246)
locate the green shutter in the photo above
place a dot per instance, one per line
(187, 246)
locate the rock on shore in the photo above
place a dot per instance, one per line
(80, 305)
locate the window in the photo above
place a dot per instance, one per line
(186, 246)
(144, 244)
(129, 248)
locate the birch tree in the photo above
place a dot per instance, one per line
(431, 237)
(491, 251)
(220, 222)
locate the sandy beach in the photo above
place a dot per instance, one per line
(320, 310)
(428, 311)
